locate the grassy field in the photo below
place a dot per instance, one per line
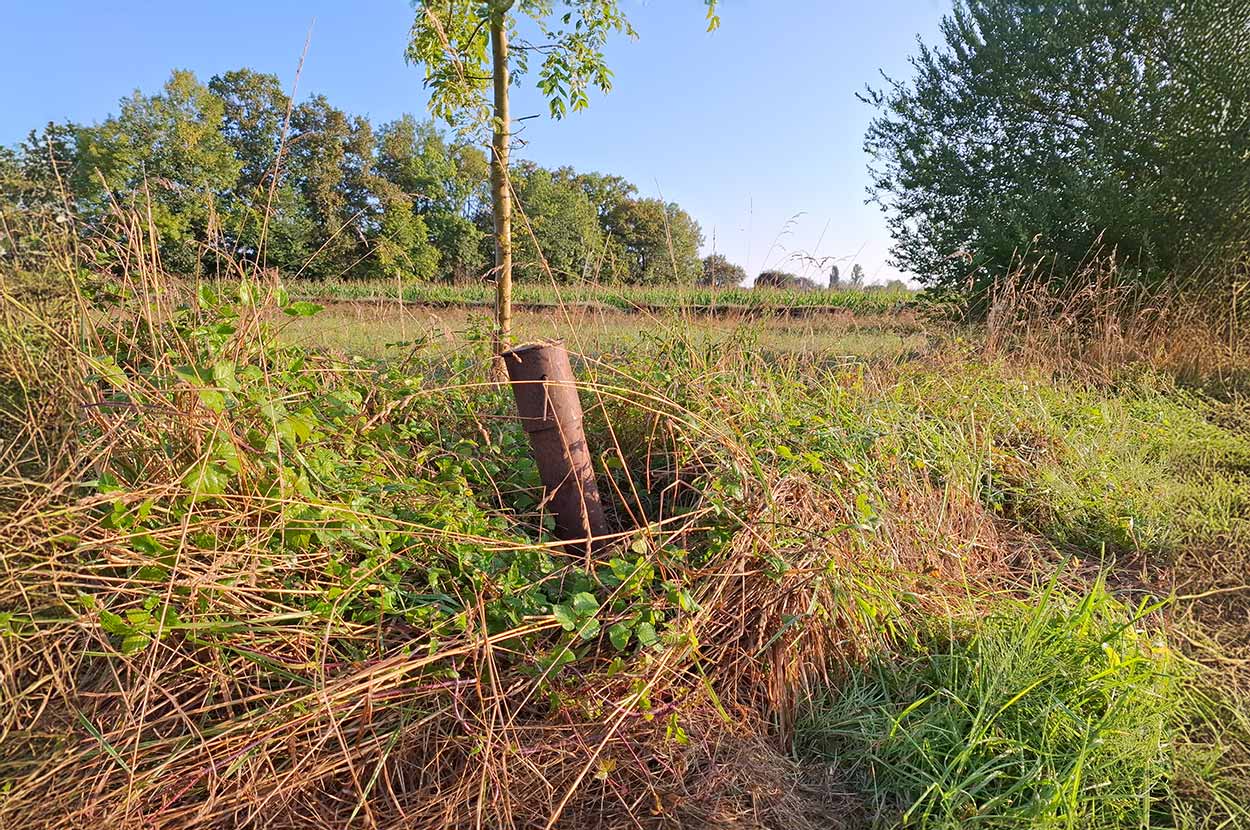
(271, 566)
(386, 328)
(872, 300)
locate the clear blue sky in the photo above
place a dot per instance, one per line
(747, 127)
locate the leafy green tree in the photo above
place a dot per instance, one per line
(331, 160)
(719, 271)
(566, 233)
(776, 278)
(447, 184)
(1049, 129)
(653, 242)
(466, 48)
(333, 198)
(401, 243)
(254, 113)
(606, 192)
(165, 152)
(37, 173)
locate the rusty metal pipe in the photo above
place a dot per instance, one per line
(547, 403)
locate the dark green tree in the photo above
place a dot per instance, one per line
(651, 242)
(331, 161)
(1049, 129)
(606, 192)
(254, 113)
(38, 172)
(719, 271)
(447, 184)
(776, 278)
(565, 229)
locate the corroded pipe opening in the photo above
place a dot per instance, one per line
(551, 412)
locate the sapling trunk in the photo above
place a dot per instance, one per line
(501, 194)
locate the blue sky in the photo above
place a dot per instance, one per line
(755, 129)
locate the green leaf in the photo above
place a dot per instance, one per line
(205, 479)
(113, 623)
(223, 376)
(647, 635)
(302, 308)
(564, 615)
(225, 452)
(212, 399)
(110, 372)
(133, 643)
(107, 483)
(146, 544)
(619, 634)
(589, 629)
(195, 375)
(585, 604)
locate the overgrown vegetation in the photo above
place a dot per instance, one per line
(247, 583)
(1055, 712)
(624, 298)
(901, 573)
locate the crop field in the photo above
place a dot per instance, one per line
(385, 328)
(268, 563)
(628, 298)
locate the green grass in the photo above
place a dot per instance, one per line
(386, 330)
(1056, 712)
(1141, 467)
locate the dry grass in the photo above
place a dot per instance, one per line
(257, 688)
(244, 708)
(1097, 322)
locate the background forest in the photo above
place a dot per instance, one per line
(338, 197)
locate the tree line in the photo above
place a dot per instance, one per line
(234, 171)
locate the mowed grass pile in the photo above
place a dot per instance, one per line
(248, 584)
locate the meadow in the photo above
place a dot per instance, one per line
(273, 563)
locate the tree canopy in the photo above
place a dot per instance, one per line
(346, 199)
(1050, 130)
(451, 40)
(720, 272)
